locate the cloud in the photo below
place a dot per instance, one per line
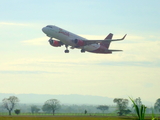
(134, 37)
(25, 72)
(36, 41)
(13, 24)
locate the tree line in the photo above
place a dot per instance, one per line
(52, 105)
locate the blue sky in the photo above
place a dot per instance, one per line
(30, 65)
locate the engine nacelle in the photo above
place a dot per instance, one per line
(55, 43)
(79, 42)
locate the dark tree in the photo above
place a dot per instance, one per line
(157, 105)
(46, 109)
(85, 112)
(122, 105)
(34, 109)
(51, 106)
(9, 103)
(17, 111)
(126, 111)
(103, 107)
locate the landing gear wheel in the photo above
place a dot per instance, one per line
(66, 51)
(82, 51)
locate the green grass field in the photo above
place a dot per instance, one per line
(74, 114)
(61, 114)
(65, 118)
(69, 116)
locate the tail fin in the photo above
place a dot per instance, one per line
(110, 35)
(105, 43)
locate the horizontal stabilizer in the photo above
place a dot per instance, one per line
(114, 50)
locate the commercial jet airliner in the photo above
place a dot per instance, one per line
(67, 38)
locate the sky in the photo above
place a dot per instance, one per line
(28, 64)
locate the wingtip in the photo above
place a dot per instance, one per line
(124, 36)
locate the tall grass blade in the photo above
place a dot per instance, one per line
(140, 110)
(144, 110)
(136, 107)
(153, 116)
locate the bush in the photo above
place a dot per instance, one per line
(17, 111)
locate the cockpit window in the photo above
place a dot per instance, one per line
(49, 26)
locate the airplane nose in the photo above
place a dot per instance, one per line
(44, 29)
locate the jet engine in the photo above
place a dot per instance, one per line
(79, 42)
(55, 43)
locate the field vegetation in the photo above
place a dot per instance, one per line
(66, 118)
(10, 109)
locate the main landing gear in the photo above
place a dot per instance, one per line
(82, 50)
(66, 51)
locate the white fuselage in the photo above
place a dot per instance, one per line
(67, 37)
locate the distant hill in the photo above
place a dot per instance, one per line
(64, 99)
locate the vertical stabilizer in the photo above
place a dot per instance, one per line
(105, 43)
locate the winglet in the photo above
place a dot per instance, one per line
(116, 39)
(124, 36)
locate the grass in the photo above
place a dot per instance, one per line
(61, 114)
(69, 117)
(154, 116)
(140, 110)
(62, 118)
(72, 116)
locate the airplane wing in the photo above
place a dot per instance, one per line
(89, 42)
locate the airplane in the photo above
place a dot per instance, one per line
(67, 38)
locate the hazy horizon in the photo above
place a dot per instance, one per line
(69, 99)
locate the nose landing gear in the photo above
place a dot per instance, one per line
(66, 51)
